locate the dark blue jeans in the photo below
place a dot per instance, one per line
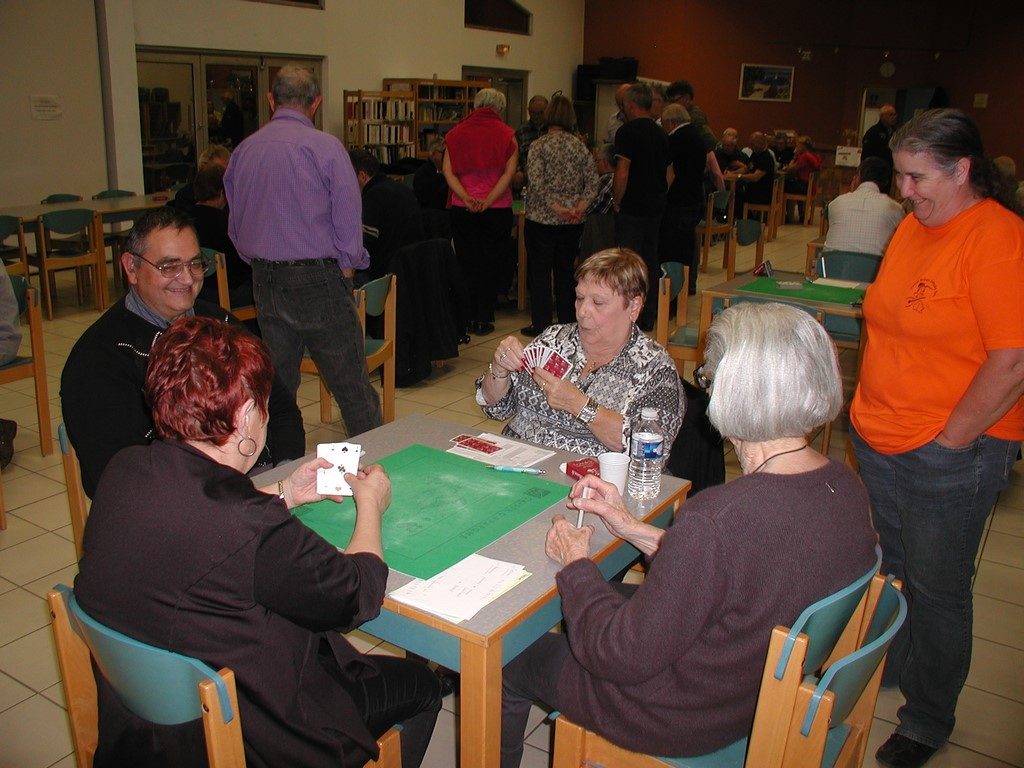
(640, 234)
(929, 506)
(311, 306)
(552, 248)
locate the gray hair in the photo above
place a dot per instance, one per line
(488, 97)
(295, 85)
(212, 153)
(774, 372)
(437, 145)
(674, 114)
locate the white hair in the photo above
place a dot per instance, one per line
(488, 97)
(774, 372)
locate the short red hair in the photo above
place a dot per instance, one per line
(201, 370)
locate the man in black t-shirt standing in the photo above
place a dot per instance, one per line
(639, 188)
(685, 203)
(756, 182)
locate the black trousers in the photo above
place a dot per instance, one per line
(405, 692)
(481, 239)
(677, 240)
(552, 248)
(640, 234)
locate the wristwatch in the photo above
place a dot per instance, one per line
(588, 411)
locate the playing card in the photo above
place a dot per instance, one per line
(476, 444)
(556, 365)
(344, 458)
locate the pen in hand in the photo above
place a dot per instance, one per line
(519, 470)
(579, 517)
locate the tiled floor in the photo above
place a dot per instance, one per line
(36, 552)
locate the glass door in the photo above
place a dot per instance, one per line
(168, 94)
(188, 101)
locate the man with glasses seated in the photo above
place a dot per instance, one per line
(101, 386)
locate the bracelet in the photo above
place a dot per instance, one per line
(490, 370)
(280, 489)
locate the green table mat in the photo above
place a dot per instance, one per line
(443, 508)
(808, 291)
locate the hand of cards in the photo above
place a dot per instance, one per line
(544, 357)
(344, 458)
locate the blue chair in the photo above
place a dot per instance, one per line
(676, 336)
(719, 204)
(15, 257)
(83, 251)
(833, 714)
(34, 366)
(157, 685)
(830, 626)
(847, 265)
(746, 232)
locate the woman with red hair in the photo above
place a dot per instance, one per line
(184, 553)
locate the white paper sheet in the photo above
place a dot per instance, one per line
(459, 592)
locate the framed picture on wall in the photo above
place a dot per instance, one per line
(766, 82)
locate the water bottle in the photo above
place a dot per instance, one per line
(646, 449)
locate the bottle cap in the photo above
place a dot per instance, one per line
(649, 413)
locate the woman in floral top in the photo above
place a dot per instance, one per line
(563, 181)
(615, 370)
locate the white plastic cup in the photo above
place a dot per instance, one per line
(614, 467)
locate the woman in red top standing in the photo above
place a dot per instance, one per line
(479, 163)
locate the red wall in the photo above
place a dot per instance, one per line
(704, 41)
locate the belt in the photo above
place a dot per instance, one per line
(299, 263)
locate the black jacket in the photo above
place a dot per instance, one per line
(103, 405)
(184, 553)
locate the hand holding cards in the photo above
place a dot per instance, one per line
(344, 458)
(538, 356)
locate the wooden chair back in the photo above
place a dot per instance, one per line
(723, 201)
(78, 503)
(791, 654)
(15, 257)
(33, 367)
(679, 339)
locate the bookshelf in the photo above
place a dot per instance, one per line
(437, 105)
(381, 122)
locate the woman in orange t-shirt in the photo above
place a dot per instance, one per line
(938, 415)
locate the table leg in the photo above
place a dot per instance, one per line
(480, 705)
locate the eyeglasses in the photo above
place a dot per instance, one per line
(702, 381)
(171, 269)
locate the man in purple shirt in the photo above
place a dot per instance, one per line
(296, 216)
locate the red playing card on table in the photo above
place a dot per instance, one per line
(476, 444)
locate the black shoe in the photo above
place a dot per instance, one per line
(8, 429)
(691, 291)
(531, 331)
(464, 339)
(902, 752)
(481, 329)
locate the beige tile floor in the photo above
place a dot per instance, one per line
(36, 552)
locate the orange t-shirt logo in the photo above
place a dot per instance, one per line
(924, 289)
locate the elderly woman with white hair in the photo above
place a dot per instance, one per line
(478, 165)
(673, 666)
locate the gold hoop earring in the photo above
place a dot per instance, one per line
(250, 453)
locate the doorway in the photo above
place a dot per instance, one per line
(190, 100)
(511, 83)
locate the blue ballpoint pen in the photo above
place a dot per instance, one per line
(520, 470)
